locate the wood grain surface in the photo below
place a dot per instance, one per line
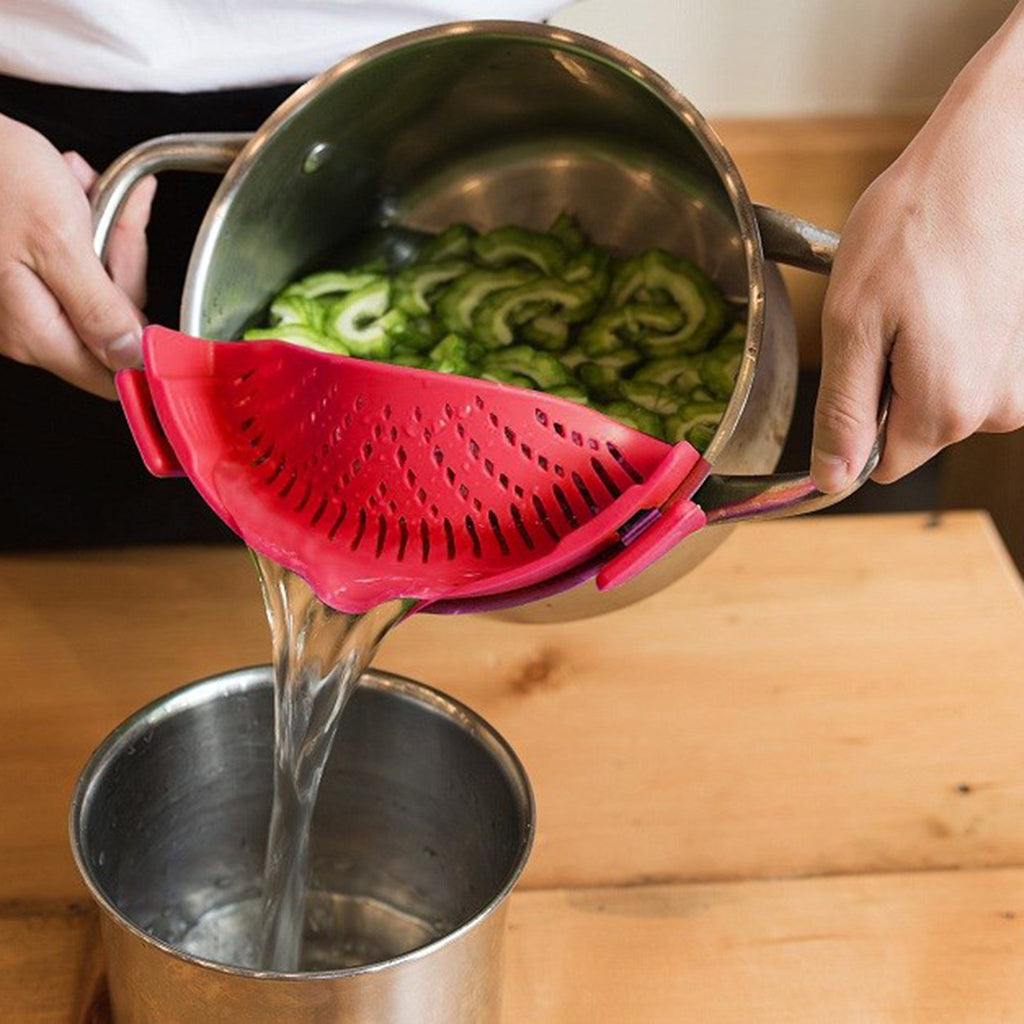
(820, 696)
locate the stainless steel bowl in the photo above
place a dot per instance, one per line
(491, 123)
(423, 824)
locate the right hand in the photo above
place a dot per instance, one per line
(59, 308)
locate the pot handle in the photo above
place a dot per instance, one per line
(790, 240)
(213, 152)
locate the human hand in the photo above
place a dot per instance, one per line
(59, 308)
(927, 284)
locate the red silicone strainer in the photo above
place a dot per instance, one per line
(376, 482)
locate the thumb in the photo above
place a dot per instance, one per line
(853, 363)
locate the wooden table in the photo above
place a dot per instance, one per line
(789, 788)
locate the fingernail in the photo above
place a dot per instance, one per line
(125, 351)
(829, 472)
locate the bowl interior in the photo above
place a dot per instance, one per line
(423, 819)
(489, 126)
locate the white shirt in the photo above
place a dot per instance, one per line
(192, 45)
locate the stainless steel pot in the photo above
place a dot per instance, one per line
(423, 824)
(498, 122)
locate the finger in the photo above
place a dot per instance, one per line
(854, 359)
(101, 314)
(910, 441)
(126, 254)
(81, 170)
(35, 331)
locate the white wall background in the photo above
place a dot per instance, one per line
(766, 58)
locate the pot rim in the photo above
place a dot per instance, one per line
(563, 39)
(243, 680)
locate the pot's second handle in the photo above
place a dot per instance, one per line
(786, 239)
(213, 152)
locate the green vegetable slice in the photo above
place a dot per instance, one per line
(621, 360)
(628, 325)
(720, 367)
(518, 307)
(567, 230)
(455, 242)
(297, 334)
(591, 268)
(689, 287)
(633, 416)
(603, 383)
(335, 282)
(454, 354)
(417, 334)
(291, 307)
(695, 422)
(500, 376)
(570, 392)
(460, 301)
(498, 316)
(543, 369)
(417, 360)
(572, 357)
(737, 332)
(361, 321)
(681, 372)
(547, 331)
(413, 286)
(654, 397)
(512, 244)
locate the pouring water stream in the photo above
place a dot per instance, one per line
(319, 655)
